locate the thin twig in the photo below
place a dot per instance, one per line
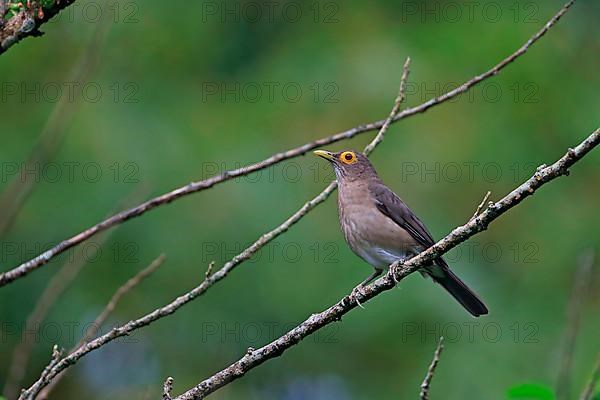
(211, 265)
(591, 386)
(424, 394)
(212, 278)
(56, 356)
(581, 285)
(395, 109)
(31, 265)
(397, 272)
(480, 206)
(167, 388)
(99, 321)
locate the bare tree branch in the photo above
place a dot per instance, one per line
(27, 21)
(212, 278)
(591, 386)
(99, 321)
(397, 272)
(424, 394)
(31, 265)
(579, 292)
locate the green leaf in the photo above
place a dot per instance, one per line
(531, 391)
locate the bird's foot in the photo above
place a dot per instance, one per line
(358, 290)
(395, 269)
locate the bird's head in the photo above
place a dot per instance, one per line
(348, 165)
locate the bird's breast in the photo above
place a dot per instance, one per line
(370, 234)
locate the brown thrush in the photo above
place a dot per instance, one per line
(381, 229)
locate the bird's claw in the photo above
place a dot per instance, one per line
(358, 290)
(394, 269)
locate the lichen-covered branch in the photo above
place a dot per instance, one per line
(33, 264)
(22, 19)
(254, 358)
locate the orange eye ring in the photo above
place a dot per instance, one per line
(348, 157)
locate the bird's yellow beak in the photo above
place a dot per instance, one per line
(325, 154)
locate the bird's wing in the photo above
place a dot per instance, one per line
(394, 208)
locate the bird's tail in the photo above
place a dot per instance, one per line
(442, 275)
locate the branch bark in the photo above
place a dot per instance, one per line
(252, 359)
(35, 263)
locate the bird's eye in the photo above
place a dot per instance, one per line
(348, 157)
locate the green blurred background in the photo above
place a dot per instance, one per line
(179, 91)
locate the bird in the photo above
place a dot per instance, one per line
(381, 229)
